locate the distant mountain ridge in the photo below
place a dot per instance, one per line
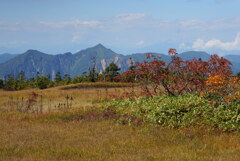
(6, 56)
(33, 61)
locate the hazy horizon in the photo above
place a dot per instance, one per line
(106, 48)
(126, 27)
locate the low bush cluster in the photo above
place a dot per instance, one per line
(182, 111)
(178, 76)
(184, 93)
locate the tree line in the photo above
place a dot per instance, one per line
(175, 77)
(20, 81)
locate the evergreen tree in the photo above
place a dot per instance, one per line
(66, 78)
(131, 64)
(93, 75)
(43, 82)
(58, 77)
(10, 82)
(1, 83)
(21, 76)
(112, 71)
(21, 81)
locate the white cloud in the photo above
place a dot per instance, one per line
(77, 37)
(192, 23)
(140, 43)
(200, 44)
(129, 28)
(74, 23)
(135, 20)
(129, 16)
(184, 46)
(9, 27)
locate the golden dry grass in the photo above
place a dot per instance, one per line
(51, 137)
(82, 97)
(59, 135)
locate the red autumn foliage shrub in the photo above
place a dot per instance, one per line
(177, 76)
(172, 51)
(31, 100)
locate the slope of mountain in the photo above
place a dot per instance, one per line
(235, 60)
(5, 57)
(33, 61)
(195, 54)
(30, 62)
(102, 55)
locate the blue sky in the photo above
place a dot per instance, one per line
(125, 26)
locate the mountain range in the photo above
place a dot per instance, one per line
(33, 61)
(6, 56)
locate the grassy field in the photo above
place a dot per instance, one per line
(84, 133)
(82, 94)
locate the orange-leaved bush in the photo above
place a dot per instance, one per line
(178, 76)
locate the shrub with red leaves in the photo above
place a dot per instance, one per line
(177, 76)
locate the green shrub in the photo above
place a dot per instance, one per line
(181, 111)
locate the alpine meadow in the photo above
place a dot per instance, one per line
(165, 87)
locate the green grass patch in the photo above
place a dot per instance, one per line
(178, 112)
